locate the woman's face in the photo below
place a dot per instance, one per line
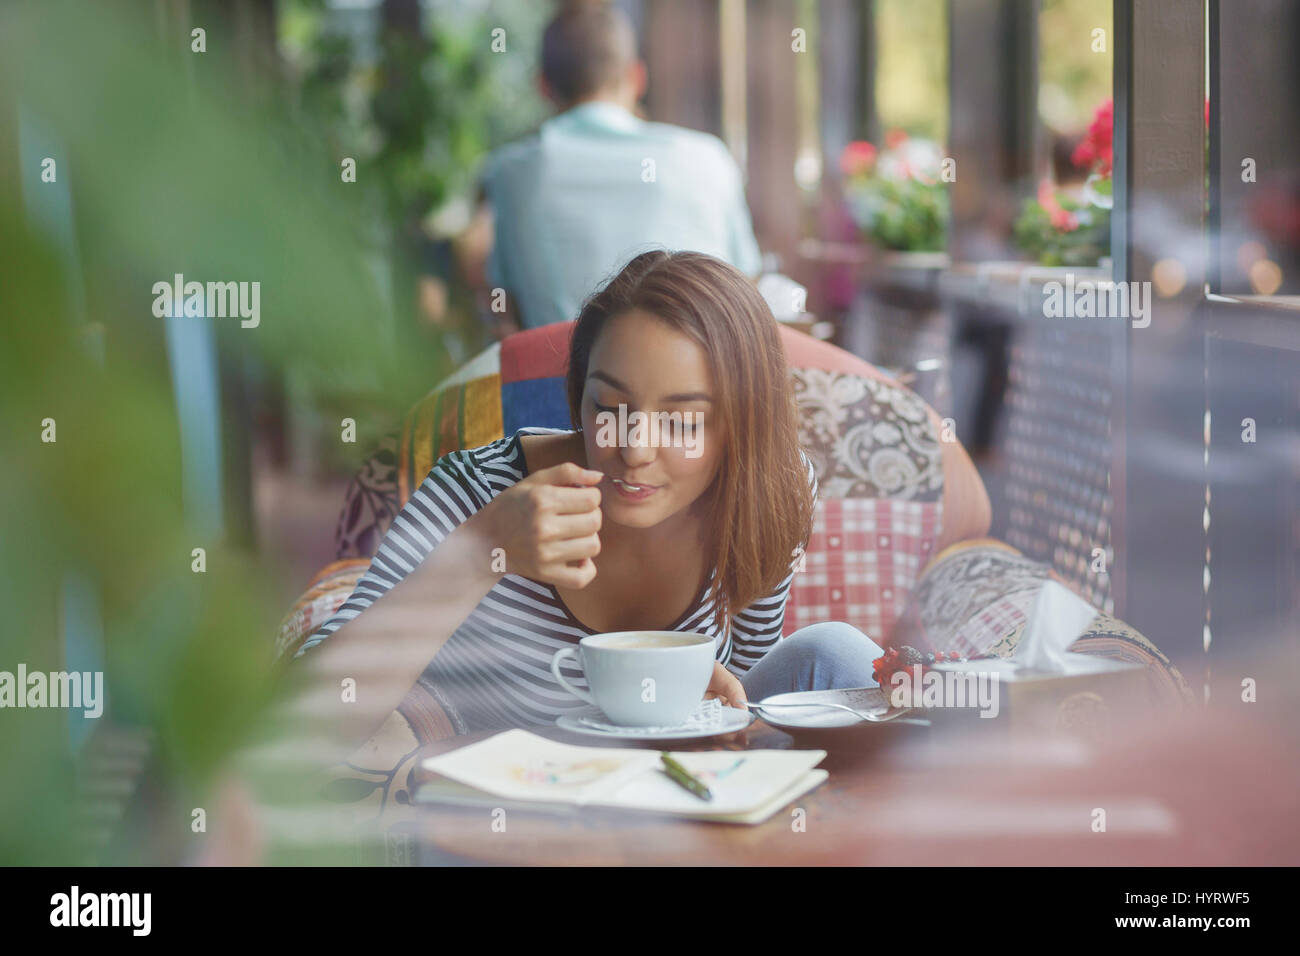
(648, 420)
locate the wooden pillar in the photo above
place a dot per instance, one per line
(680, 47)
(847, 52)
(993, 92)
(733, 77)
(774, 196)
(253, 28)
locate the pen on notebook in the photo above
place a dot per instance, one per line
(683, 778)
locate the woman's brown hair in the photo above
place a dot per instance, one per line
(761, 503)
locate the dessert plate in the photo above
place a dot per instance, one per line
(785, 713)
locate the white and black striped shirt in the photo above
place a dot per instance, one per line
(494, 671)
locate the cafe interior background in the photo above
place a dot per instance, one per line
(1152, 467)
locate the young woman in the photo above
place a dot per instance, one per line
(509, 552)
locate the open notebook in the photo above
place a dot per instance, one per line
(520, 769)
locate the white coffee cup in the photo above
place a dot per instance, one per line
(642, 678)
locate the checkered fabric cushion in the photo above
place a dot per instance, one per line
(880, 508)
(862, 562)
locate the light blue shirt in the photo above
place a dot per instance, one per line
(595, 186)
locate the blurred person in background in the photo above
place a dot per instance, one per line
(1068, 175)
(597, 184)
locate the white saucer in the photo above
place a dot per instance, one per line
(869, 699)
(593, 722)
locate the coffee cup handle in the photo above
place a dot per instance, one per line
(560, 655)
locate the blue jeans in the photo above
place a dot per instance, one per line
(817, 657)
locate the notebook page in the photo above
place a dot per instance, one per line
(520, 765)
(741, 781)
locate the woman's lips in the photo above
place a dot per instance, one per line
(633, 492)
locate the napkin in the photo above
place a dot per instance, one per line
(1056, 620)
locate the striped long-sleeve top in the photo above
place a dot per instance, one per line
(494, 671)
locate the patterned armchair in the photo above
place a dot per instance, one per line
(898, 546)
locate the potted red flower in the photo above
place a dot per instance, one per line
(1064, 230)
(895, 194)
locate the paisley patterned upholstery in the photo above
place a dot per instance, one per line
(371, 503)
(866, 437)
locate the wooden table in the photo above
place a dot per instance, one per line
(606, 837)
(904, 795)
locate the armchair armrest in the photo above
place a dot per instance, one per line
(376, 776)
(975, 598)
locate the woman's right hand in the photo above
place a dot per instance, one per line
(547, 527)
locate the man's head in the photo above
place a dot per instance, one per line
(589, 52)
